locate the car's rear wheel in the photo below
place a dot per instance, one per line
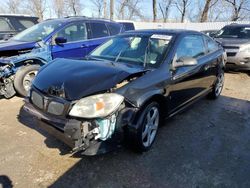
(218, 86)
(24, 77)
(143, 138)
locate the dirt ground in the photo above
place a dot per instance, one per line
(206, 146)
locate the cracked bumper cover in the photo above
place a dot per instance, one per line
(80, 134)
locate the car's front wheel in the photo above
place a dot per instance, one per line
(218, 86)
(24, 77)
(149, 120)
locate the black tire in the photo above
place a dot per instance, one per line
(135, 137)
(21, 85)
(218, 86)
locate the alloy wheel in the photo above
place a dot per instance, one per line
(219, 84)
(151, 125)
(27, 80)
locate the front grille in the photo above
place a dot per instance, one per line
(55, 108)
(231, 54)
(37, 100)
(48, 104)
(232, 47)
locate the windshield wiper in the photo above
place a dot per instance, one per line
(89, 57)
(118, 56)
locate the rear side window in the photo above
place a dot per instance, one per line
(26, 23)
(211, 45)
(4, 25)
(99, 30)
(128, 26)
(191, 46)
(114, 29)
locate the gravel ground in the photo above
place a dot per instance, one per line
(206, 146)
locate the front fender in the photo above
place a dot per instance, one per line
(21, 63)
(145, 97)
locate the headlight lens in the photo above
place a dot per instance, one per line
(95, 106)
(245, 48)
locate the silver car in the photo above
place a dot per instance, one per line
(235, 39)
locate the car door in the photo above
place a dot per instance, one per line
(76, 35)
(187, 81)
(99, 35)
(214, 57)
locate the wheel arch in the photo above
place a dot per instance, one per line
(160, 99)
(33, 61)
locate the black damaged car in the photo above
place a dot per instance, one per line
(125, 88)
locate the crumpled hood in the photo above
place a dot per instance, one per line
(232, 41)
(78, 78)
(4, 62)
(15, 45)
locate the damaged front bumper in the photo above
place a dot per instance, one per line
(7, 71)
(91, 137)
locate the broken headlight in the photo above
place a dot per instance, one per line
(97, 106)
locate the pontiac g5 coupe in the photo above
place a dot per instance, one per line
(125, 88)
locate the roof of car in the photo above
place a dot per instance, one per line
(238, 25)
(17, 15)
(75, 18)
(161, 31)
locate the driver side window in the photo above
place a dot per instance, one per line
(74, 32)
(190, 46)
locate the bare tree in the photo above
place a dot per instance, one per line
(207, 6)
(105, 8)
(129, 9)
(238, 7)
(121, 8)
(154, 10)
(98, 6)
(13, 6)
(74, 6)
(111, 10)
(59, 8)
(182, 6)
(37, 7)
(135, 10)
(165, 8)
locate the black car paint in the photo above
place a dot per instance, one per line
(14, 23)
(80, 83)
(173, 88)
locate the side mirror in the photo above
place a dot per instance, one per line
(60, 41)
(184, 62)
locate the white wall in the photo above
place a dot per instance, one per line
(190, 26)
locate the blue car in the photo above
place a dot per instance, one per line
(72, 37)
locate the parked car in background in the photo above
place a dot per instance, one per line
(125, 88)
(72, 37)
(127, 25)
(211, 33)
(11, 24)
(235, 39)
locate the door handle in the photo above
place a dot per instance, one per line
(84, 46)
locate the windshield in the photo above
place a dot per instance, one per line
(234, 32)
(137, 50)
(38, 32)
